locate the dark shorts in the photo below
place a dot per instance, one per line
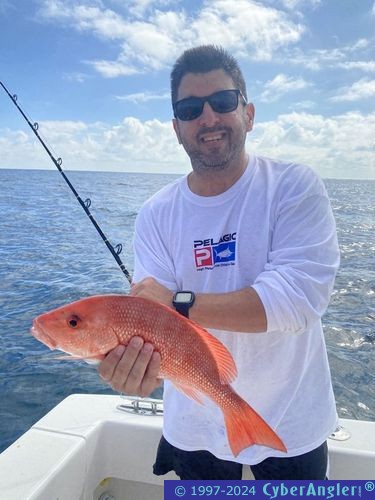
(204, 465)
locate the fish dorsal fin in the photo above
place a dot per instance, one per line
(223, 359)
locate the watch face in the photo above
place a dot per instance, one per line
(183, 297)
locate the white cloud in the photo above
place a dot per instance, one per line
(366, 66)
(139, 7)
(362, 89)
(150, 37)
(131, 145)
(295, 4)
(60, 129)
(112, 69)
(326, 144)
(307, 104)
(318, 59)
(245, 27)
(280, 85)
(362, 43)
(76, 77)
(141, 97)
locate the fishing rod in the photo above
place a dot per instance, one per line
(115, 251)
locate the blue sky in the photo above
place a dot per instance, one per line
(95, 75)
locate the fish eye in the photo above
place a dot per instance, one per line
(73, 321)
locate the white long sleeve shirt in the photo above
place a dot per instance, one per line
(273, 230)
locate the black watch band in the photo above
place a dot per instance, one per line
(182, 301)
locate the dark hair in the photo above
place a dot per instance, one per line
(203, 59)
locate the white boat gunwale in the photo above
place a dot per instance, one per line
(87, 444)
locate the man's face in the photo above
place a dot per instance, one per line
(213, 140)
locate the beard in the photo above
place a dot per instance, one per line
(218, 155)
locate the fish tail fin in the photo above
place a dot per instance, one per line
(245, 428)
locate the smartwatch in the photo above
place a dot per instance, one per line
(182, 302)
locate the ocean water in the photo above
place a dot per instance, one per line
(50, 254)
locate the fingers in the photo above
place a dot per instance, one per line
(149, 288)
(151, 381)
(132, 369)
(108, 365)
(135, 375)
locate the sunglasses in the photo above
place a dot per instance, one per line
(223, 101)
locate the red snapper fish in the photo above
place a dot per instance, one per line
(195, 361)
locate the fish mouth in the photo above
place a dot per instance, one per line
(39, 333)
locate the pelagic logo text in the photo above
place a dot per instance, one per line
(209, 253)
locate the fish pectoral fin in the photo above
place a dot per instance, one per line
(190, 392)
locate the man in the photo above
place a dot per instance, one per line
(253, 244)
